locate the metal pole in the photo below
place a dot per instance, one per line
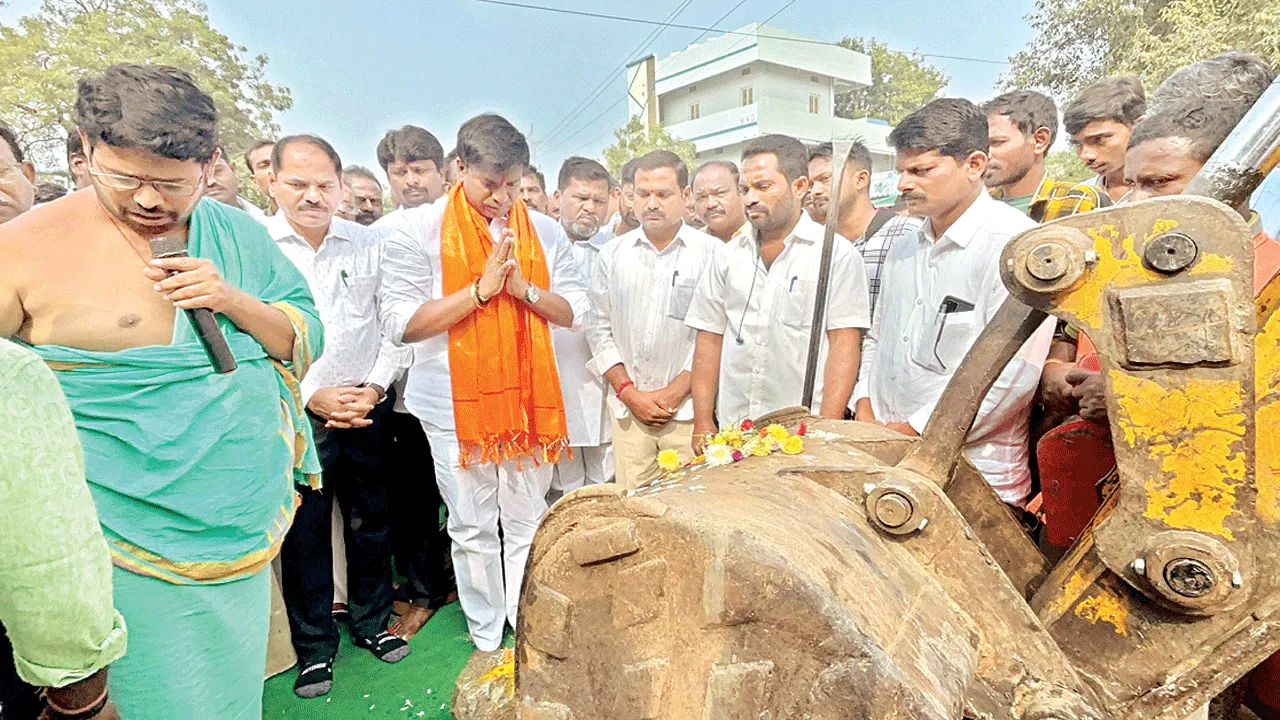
(839, 157)
(1250, 152)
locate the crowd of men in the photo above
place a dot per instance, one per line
(486, 345)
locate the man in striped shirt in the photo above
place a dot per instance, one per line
(640, 294)
(873, 231)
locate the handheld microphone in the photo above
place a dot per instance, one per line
(215, 345)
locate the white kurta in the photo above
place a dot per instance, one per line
(584, 391)
(490, 569)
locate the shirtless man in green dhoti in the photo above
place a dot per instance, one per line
(192, 472)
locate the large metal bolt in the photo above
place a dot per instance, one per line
(1189, 577)
(893, 510)
(1048, 261)
(1171, 252)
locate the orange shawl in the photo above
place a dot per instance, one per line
(506, 389)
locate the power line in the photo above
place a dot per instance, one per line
(723, 17)
(588, 124)
(642, 21)
(562, 143)
(599, 89)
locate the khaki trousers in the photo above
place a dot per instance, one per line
(636, 447)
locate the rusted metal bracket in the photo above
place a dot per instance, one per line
(1164, 290)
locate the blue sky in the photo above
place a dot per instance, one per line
(357, 69)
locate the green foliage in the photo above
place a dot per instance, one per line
(46, 53)
(1065, 166)
(1191, 30)
(1081, 41)
(634, 141)
(901, 83)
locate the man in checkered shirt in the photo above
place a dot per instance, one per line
(872, 231)
(1022, 126)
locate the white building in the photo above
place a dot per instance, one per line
(724, 91)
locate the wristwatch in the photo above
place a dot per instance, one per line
(532, 295)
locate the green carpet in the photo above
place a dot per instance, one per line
(419, 686)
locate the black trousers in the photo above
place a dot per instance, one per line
(353, 463)
(18, 700)
(419, 540)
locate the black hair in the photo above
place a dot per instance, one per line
(727, 165)
(277, 152)
(793, 158)
(410, 144)
(75, 146)
(1029, 110)
(1121, 99)
(359, 171)
(584, 170)
(953, 126)
(11, 139)
(629, 172)
(47, 191)
(859, 154)
(655, 159)
(1205, 123)
(491, 142)
(533, 172)
(254, 148)
(156, 108)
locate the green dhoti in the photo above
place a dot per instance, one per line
(193, 476)
(172, 670)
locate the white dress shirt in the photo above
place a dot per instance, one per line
(584, 391)
(344, 274)
(252, 209)
(413, 275)
(765, 315)
(915, 345)
(639, 300)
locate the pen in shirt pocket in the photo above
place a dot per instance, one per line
(792, 287)
(674, 276)
(344, 276)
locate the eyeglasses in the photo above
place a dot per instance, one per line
(128, 182)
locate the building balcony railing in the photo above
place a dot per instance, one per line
(772, 115)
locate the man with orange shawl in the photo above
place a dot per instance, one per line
(474, 281)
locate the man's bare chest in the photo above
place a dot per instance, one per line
(92, 294)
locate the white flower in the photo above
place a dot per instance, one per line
(719, 455)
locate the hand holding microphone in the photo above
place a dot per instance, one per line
(194, 285)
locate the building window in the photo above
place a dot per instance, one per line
(815, 103)
(695, 112)
(748, 95)
(693, 88)
(746, 71)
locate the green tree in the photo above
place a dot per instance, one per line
(901, 83)
(46, 53)
(1191, 30)
(1081, 41)
(1065, 166)
(634, 141)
